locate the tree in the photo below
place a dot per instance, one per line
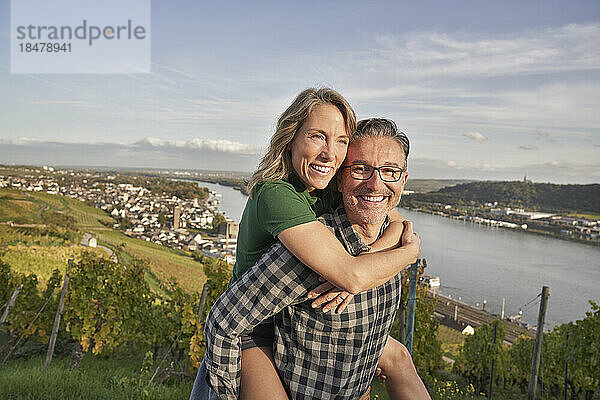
(584, 352)
(475, 358)
(218, 219)
(427, 349)
(162, 219)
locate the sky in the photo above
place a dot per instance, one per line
(484, 89)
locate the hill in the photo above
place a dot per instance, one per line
(532, 196)
(46, 230)
(431, 185)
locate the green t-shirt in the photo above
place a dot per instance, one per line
(274, 207)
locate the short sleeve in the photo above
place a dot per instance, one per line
(279, 207)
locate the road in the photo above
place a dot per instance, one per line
(85, 240)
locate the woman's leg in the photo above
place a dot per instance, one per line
(402, 382)
(260, 379)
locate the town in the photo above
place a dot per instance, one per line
(186, 224)
(554, 224)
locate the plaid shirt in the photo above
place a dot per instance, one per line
(319, 355)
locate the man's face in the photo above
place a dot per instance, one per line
(369, 201)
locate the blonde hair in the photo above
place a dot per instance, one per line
(277, 162)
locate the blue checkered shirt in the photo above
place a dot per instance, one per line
(319, 355)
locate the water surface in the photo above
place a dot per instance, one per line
(477, 262)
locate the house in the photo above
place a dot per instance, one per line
(468, 330)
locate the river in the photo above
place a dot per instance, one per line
(477, 262)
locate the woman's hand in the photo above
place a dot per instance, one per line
(331, 296)
(338, 299)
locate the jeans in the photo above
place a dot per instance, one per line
(201, 390)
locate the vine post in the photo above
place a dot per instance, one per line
(492, 366)
(10, 303)
(61, 303)
(202, 302)
(412, 299)
(566, 364)
(537, 347)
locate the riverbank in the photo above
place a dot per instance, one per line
(476, 262)
(484, 220)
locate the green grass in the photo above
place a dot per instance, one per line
(29, 237)
(585, 215)
(96, 378)
(451, 341)
(16, 204)
(85, 215)
(162, 261)
(41, 260)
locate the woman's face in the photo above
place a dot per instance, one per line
(319, 147)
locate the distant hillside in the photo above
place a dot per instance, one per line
(432, 185)
(532, 196)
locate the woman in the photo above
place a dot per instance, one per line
(288, 192)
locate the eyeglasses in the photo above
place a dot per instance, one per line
(364, 172)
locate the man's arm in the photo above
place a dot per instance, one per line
(277, 280)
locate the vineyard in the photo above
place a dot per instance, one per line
(43, 260)
(109, 311)
(133, 328)
(75, 216)
(163, 262)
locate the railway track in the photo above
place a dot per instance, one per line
(445, 309)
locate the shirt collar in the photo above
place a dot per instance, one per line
(295, 180)
(351, 239)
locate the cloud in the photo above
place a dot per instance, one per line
(62, 102)
(196, 144)
(430, 53)
(556, 172)
(199, 153)
(528, 147)
(218, 146)
(539, 135)
(475, 136)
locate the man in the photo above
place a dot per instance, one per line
(320, 355)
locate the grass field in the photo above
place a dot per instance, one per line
(40, 253)
(55, 202)
(42, 260)
(162, 261)
(28, 236)
(591, 216)
(97, 378)
(15, 204)
(86, 216)
(451, 341)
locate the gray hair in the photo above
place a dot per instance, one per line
(382, 127)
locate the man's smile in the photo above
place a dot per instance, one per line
(373, 198)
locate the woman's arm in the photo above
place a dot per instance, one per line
(392, 235)
(331, 297)
(314, 245)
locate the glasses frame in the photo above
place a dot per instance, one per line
(378, 169)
